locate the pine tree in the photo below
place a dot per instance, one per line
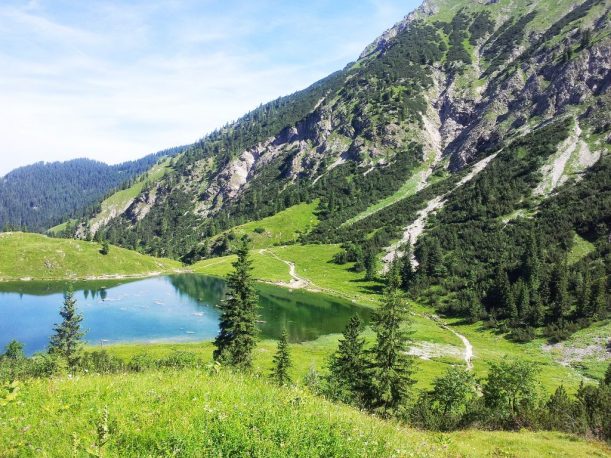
(348, 364)
(598, 299)
(407, 270)
(238, 326)
(523, 300)
(391, 367)
(559, 295)
(505, 295)
(584, 294)
(14, 350)
(67, 341)
(370, 265)
(282, 361)
(105, 248)
(532, 268)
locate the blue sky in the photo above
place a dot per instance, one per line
(116, 80)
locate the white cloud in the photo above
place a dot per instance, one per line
(122, 81)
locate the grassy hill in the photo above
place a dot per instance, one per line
(281, 228)
(196, 413)
(35, 256)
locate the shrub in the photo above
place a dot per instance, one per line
(522, 335)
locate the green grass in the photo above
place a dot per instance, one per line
(580, 249)
(193, 413)
(61, 227)
(407, 189)
(38, 257)
(265, 267)
(490, 346)
(283, 227)
(120, 200)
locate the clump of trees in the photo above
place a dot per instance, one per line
(377, 378)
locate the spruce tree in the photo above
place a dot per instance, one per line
(347, 366)
(559, 295)
(370, 265)
(105, 248)
(67, 341)
(391, 367)
(523, 300)
(583, 294)
(407, 270)
(504, 294)
(598, 299)
(282, 361)
(532, 268)
(238, 326)
(14, 350)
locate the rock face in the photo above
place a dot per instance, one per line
(505, 70)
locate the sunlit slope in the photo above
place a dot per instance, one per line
(38, 257)
(192, 413)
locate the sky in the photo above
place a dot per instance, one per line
(116, 80)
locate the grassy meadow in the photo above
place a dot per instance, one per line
(38, 257)
(199, 412)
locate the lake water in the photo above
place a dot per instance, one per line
(175, 308)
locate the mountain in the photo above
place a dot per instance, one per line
(472, 138)
(41, 195)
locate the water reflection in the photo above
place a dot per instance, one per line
(173, 308)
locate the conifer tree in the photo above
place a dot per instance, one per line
(105, 248)
(370, 265)
(407, 270)
(238, 325)
(348, 364)
(523, 300)
(391, 367)
(67, 341)
(282, 361)
(559, 296)
(14, 350)
(598, 299)
(584, 294)
(505, 296)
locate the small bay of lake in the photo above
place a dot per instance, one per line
(177, 308)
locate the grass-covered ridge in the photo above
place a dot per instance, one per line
(226, 414)
(35, 256)
(284, 227)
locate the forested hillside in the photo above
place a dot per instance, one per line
(470, 142)
(39, 196)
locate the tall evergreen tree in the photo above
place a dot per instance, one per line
(391, 367)
(370, 265)
(407, 270)
(584, 294)
(282, 361)
(105, 248)
(532, 269)
(598, 299)
(238, 326)
(348, 365)
(523, 300)
(14, 350)
(559, 294)
(67, 341)
(504, 295)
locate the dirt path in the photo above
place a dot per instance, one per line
(414, 230)
(296, 282)
(468, 353)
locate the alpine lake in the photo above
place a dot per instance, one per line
(175, 308)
